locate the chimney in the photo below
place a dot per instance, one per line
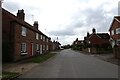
(49, 38)
(88, 34)
(21, 14)
(76, 39)
(94, 30)
(35, 24)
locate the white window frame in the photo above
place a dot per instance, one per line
(75, 42)
(118, 41)
(37, 47)
(43, 47)
(112, 43)
(41, 37)
(117, 30)
(112, 32)
(24, 31)
(37, 36)
(23, 48)
(47, 47)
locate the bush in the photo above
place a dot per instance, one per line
(107, 49)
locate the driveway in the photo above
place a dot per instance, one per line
(71, 64)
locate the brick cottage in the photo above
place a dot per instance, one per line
(96, 40)
(115, 36)
(21, 40)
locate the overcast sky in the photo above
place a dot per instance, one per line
(66, 19)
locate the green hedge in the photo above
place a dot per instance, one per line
(104, 49)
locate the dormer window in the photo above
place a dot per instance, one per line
(23, 33)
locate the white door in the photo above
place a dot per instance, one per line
(113, 43)
(89, 50)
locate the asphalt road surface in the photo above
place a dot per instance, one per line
(71, 64)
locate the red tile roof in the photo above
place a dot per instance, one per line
(117, 18)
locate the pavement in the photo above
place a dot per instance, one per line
(72, 64)
(20, 66)
(106, 57)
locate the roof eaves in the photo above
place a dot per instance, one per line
(117, 20)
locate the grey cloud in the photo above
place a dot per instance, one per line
(96, 18)
(63, 32)
(11, 6)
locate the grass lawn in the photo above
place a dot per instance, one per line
(42, 58)
(9, 75)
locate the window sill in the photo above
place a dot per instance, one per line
(37, 51)
(23, 35)
(24, 53)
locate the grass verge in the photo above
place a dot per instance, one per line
(9, 75)
(42, 58)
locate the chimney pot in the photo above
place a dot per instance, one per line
(35, 24)
(21, 14)
(94, 30)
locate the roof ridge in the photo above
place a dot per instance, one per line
(117, 19)
(14, 17)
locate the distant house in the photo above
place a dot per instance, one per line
(56, 45)
(77, 44)
(21, 40)
(115, 35)
(96, 40)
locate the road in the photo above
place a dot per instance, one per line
(71, 64)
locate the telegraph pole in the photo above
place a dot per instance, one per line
(57, 39)
(1, 1)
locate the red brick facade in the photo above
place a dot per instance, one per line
(95, 40)
(14, 40)
(115, 36)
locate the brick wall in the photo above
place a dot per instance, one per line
(116, 52)
(95, 40)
